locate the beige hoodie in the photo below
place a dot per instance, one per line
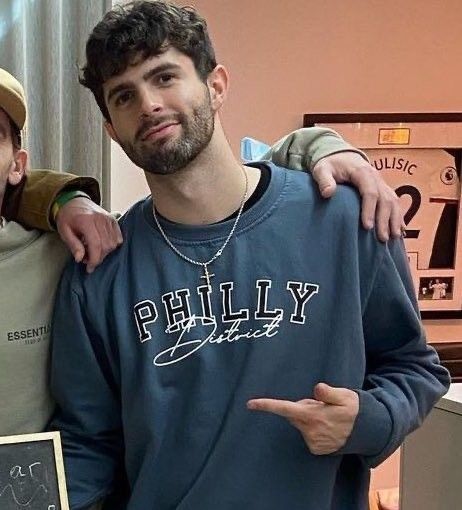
(30, 266)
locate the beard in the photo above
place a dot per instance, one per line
(164, 157)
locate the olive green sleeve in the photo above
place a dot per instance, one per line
(303, 148)
(30, 202)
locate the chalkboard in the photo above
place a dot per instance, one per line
(32, 473)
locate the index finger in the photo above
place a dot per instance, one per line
(72, 241)
(93, 246)
(366, 182)
(284, 408)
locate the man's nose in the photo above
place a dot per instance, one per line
(151, 102)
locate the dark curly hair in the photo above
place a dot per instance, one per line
(143, 28)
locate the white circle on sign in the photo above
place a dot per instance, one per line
(448, 175)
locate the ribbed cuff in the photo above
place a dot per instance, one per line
(372, 428)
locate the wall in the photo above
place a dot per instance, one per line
(291, 57)
(295, 56)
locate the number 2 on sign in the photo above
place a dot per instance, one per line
(416, 200)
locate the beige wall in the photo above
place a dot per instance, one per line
(291, 57)
(295, 56)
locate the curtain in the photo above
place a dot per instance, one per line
(42, 43)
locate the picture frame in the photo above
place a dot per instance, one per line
(419, 155)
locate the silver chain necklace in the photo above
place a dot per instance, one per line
(204, 265)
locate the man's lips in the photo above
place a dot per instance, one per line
(159, 130)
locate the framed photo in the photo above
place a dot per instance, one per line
(419, 155)
(32, 473)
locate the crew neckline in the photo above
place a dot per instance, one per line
(14, 237)
(215, 232)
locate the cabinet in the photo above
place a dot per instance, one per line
(431, 458)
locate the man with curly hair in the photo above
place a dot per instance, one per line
(230, 355)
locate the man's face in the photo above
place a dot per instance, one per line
(161, 112)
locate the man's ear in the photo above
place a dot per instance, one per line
(111, 131)
(18, 167)
(218, 84)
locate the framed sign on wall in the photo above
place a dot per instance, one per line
(419, 156)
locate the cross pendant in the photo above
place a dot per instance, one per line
(207, 275)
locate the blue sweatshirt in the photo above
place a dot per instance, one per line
(152, 370)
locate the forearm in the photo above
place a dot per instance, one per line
(303, 148)
(404, 378)
(30, 203)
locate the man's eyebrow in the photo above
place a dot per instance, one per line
(118, 88)
(161, 68)
(3, 131)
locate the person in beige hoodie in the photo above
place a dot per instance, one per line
(31, 262)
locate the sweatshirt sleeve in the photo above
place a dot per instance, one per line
(404, 378)
(303, 148)
(30, 202)
(89, 420)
